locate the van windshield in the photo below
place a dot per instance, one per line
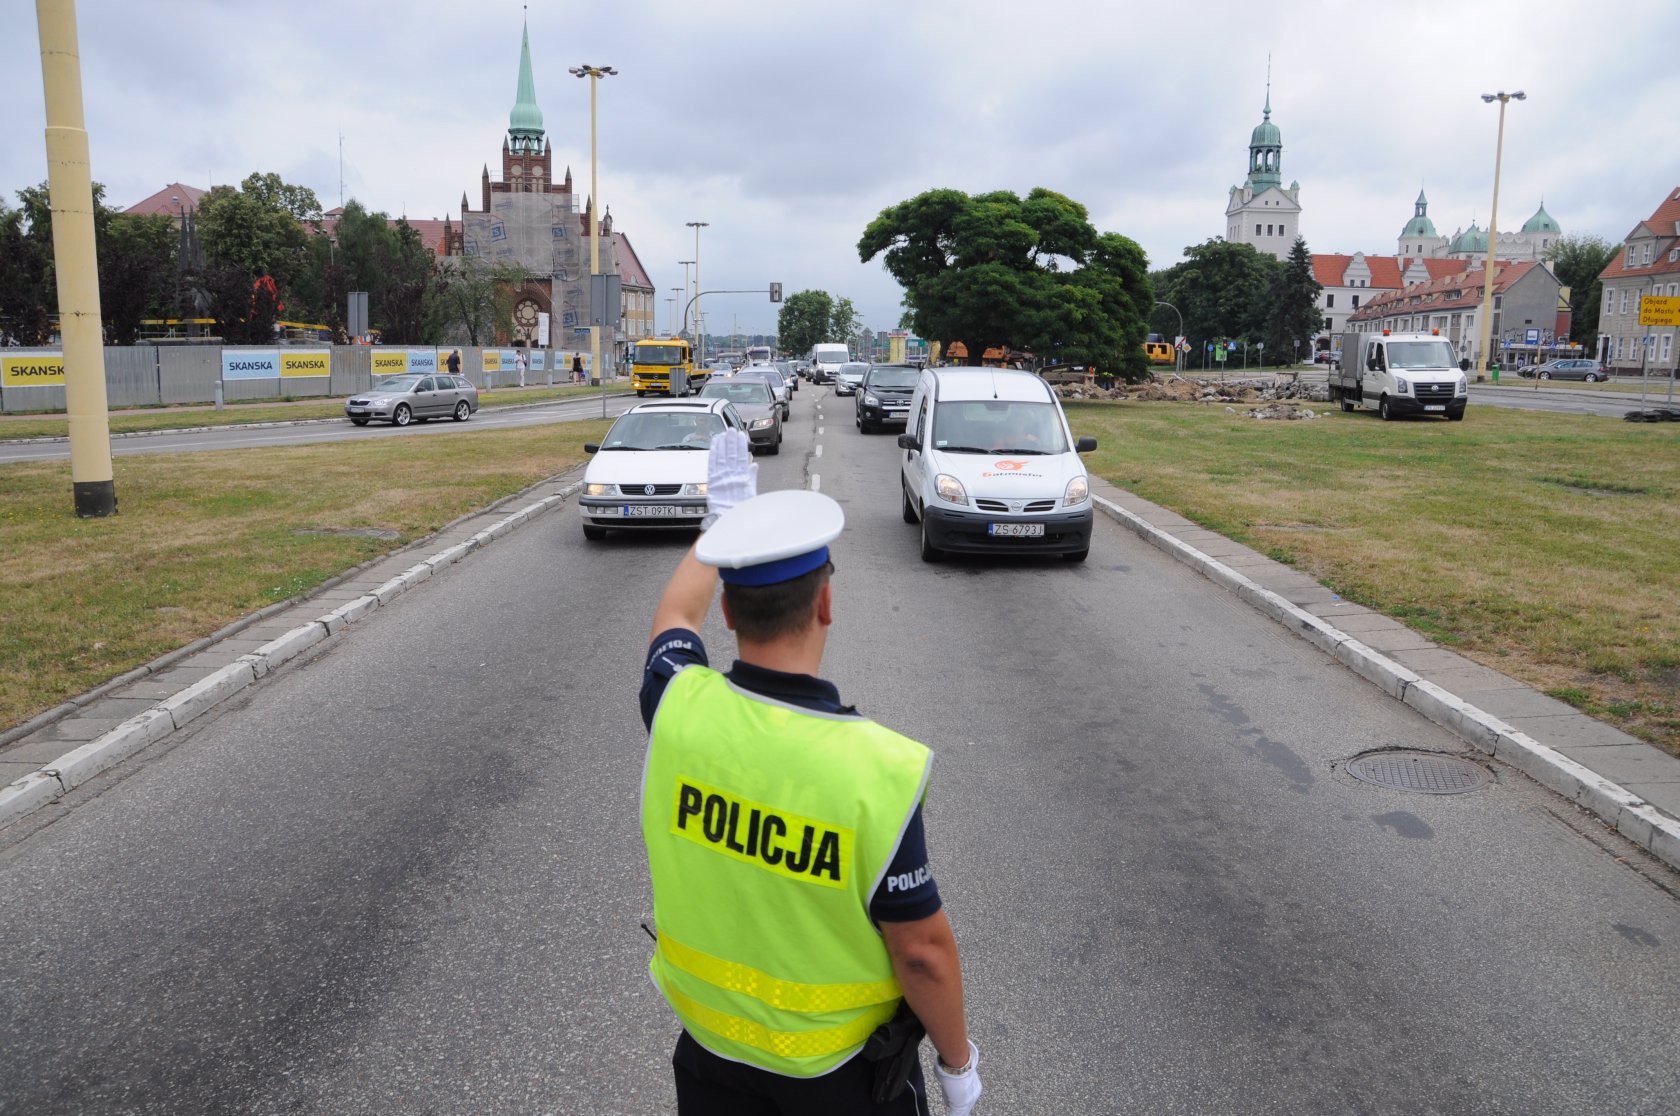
(998, 426)
(659, 354)
(1421, 354)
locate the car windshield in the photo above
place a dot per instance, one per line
(397, 383)
(889, 378)
(663, 430)
(854, 370)
(1421, 354)
(659, 354)
(997, 426)
(738, 391)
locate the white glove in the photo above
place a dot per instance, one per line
(961, 1090)
(731, 473)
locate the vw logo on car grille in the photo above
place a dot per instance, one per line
(649, 490)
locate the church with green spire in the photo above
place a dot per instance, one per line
(1262, 212)
(530, 219)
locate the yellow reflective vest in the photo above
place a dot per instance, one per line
(768, 827)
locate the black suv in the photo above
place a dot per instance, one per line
(883, 398)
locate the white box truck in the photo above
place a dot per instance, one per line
(1397, 374)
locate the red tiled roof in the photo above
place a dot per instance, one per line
(1329, 269)
(1467, 282)
(1663, 224)
(1440, 269)
(431, 233)
(1385, 271)
(161, 202)
(631, 273)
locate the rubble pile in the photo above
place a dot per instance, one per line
(1187, 389)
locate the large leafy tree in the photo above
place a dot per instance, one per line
(390, 263)
(27, 295)
(253, 231)
(997, 270)
(1296, 318)
(1577, 261)
(1224, 291)
(804, 320)
(472, 297)
(844, 325)
(137, 276)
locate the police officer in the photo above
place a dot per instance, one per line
(797, 920)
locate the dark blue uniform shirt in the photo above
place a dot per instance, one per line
(908, 891)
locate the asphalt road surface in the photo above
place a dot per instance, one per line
(405, 876)
(1576, 401)
(237, 437)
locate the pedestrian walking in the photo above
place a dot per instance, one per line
(577, 367)
(454, 363)
(521, 362)
(800, 938)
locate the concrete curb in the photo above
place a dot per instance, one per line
(288, 422)
(56, 779)
(1618, 807)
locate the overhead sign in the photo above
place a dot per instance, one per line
(305, 362)
(250, 364)
(32, 369)
(1659, 310)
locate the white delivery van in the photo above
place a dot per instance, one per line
(1399, 374)
(990, 466)
(826, 360)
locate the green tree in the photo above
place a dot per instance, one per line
(473, 298)
(1295, 317)
(1224, 291)
(803, 321)
(844, 325)
(1577, 261)
(1000, 271)
(27, 295)
(137, 276)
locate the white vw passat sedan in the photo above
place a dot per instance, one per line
(650, 469)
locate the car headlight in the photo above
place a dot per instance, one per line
(380, 400)
(949, 489)
(763, 423)
(1078, 491)
(596, 489)
(1463, 387)
(871, 400)
(697, 489)
(1400, 387)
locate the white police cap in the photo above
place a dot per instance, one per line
(774, 537)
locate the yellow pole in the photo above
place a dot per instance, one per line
(1493, 235)
(70, 184)
(594, 237)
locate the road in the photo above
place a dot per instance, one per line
(236, 437)
(1572, 401)
(405, 875)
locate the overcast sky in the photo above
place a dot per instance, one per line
(789, 126)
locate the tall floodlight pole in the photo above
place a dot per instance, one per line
(686, 264)
(70, 184)
(1493, 230)
(671, 311)
(697, 226)
(594, 74)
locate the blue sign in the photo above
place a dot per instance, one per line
(1531, 337)
(250, 364)
(422, 360)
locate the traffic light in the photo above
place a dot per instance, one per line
(775, 292)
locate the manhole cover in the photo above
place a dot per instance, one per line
(1424, 772)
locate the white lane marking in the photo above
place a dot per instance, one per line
(816, 483)
(819, 431)
(818, 453)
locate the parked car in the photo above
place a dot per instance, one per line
(756, 403)
(413, 397)
(650, 469)
(883, 398)
(1571, 369)
(851, 374)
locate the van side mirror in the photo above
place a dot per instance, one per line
(1085, 444)
(591, 447)
(908, 441)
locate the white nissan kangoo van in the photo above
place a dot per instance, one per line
(990, 466)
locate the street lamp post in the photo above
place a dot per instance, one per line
(594, 74)
(1176, 354)
(697, 226)
(1493, 229)
(671, 312)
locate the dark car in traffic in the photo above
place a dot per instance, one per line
(883, 398)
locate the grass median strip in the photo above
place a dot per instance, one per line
(240, 414)
(203, 539)
(1546, 546)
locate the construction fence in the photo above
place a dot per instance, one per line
(156, 375)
